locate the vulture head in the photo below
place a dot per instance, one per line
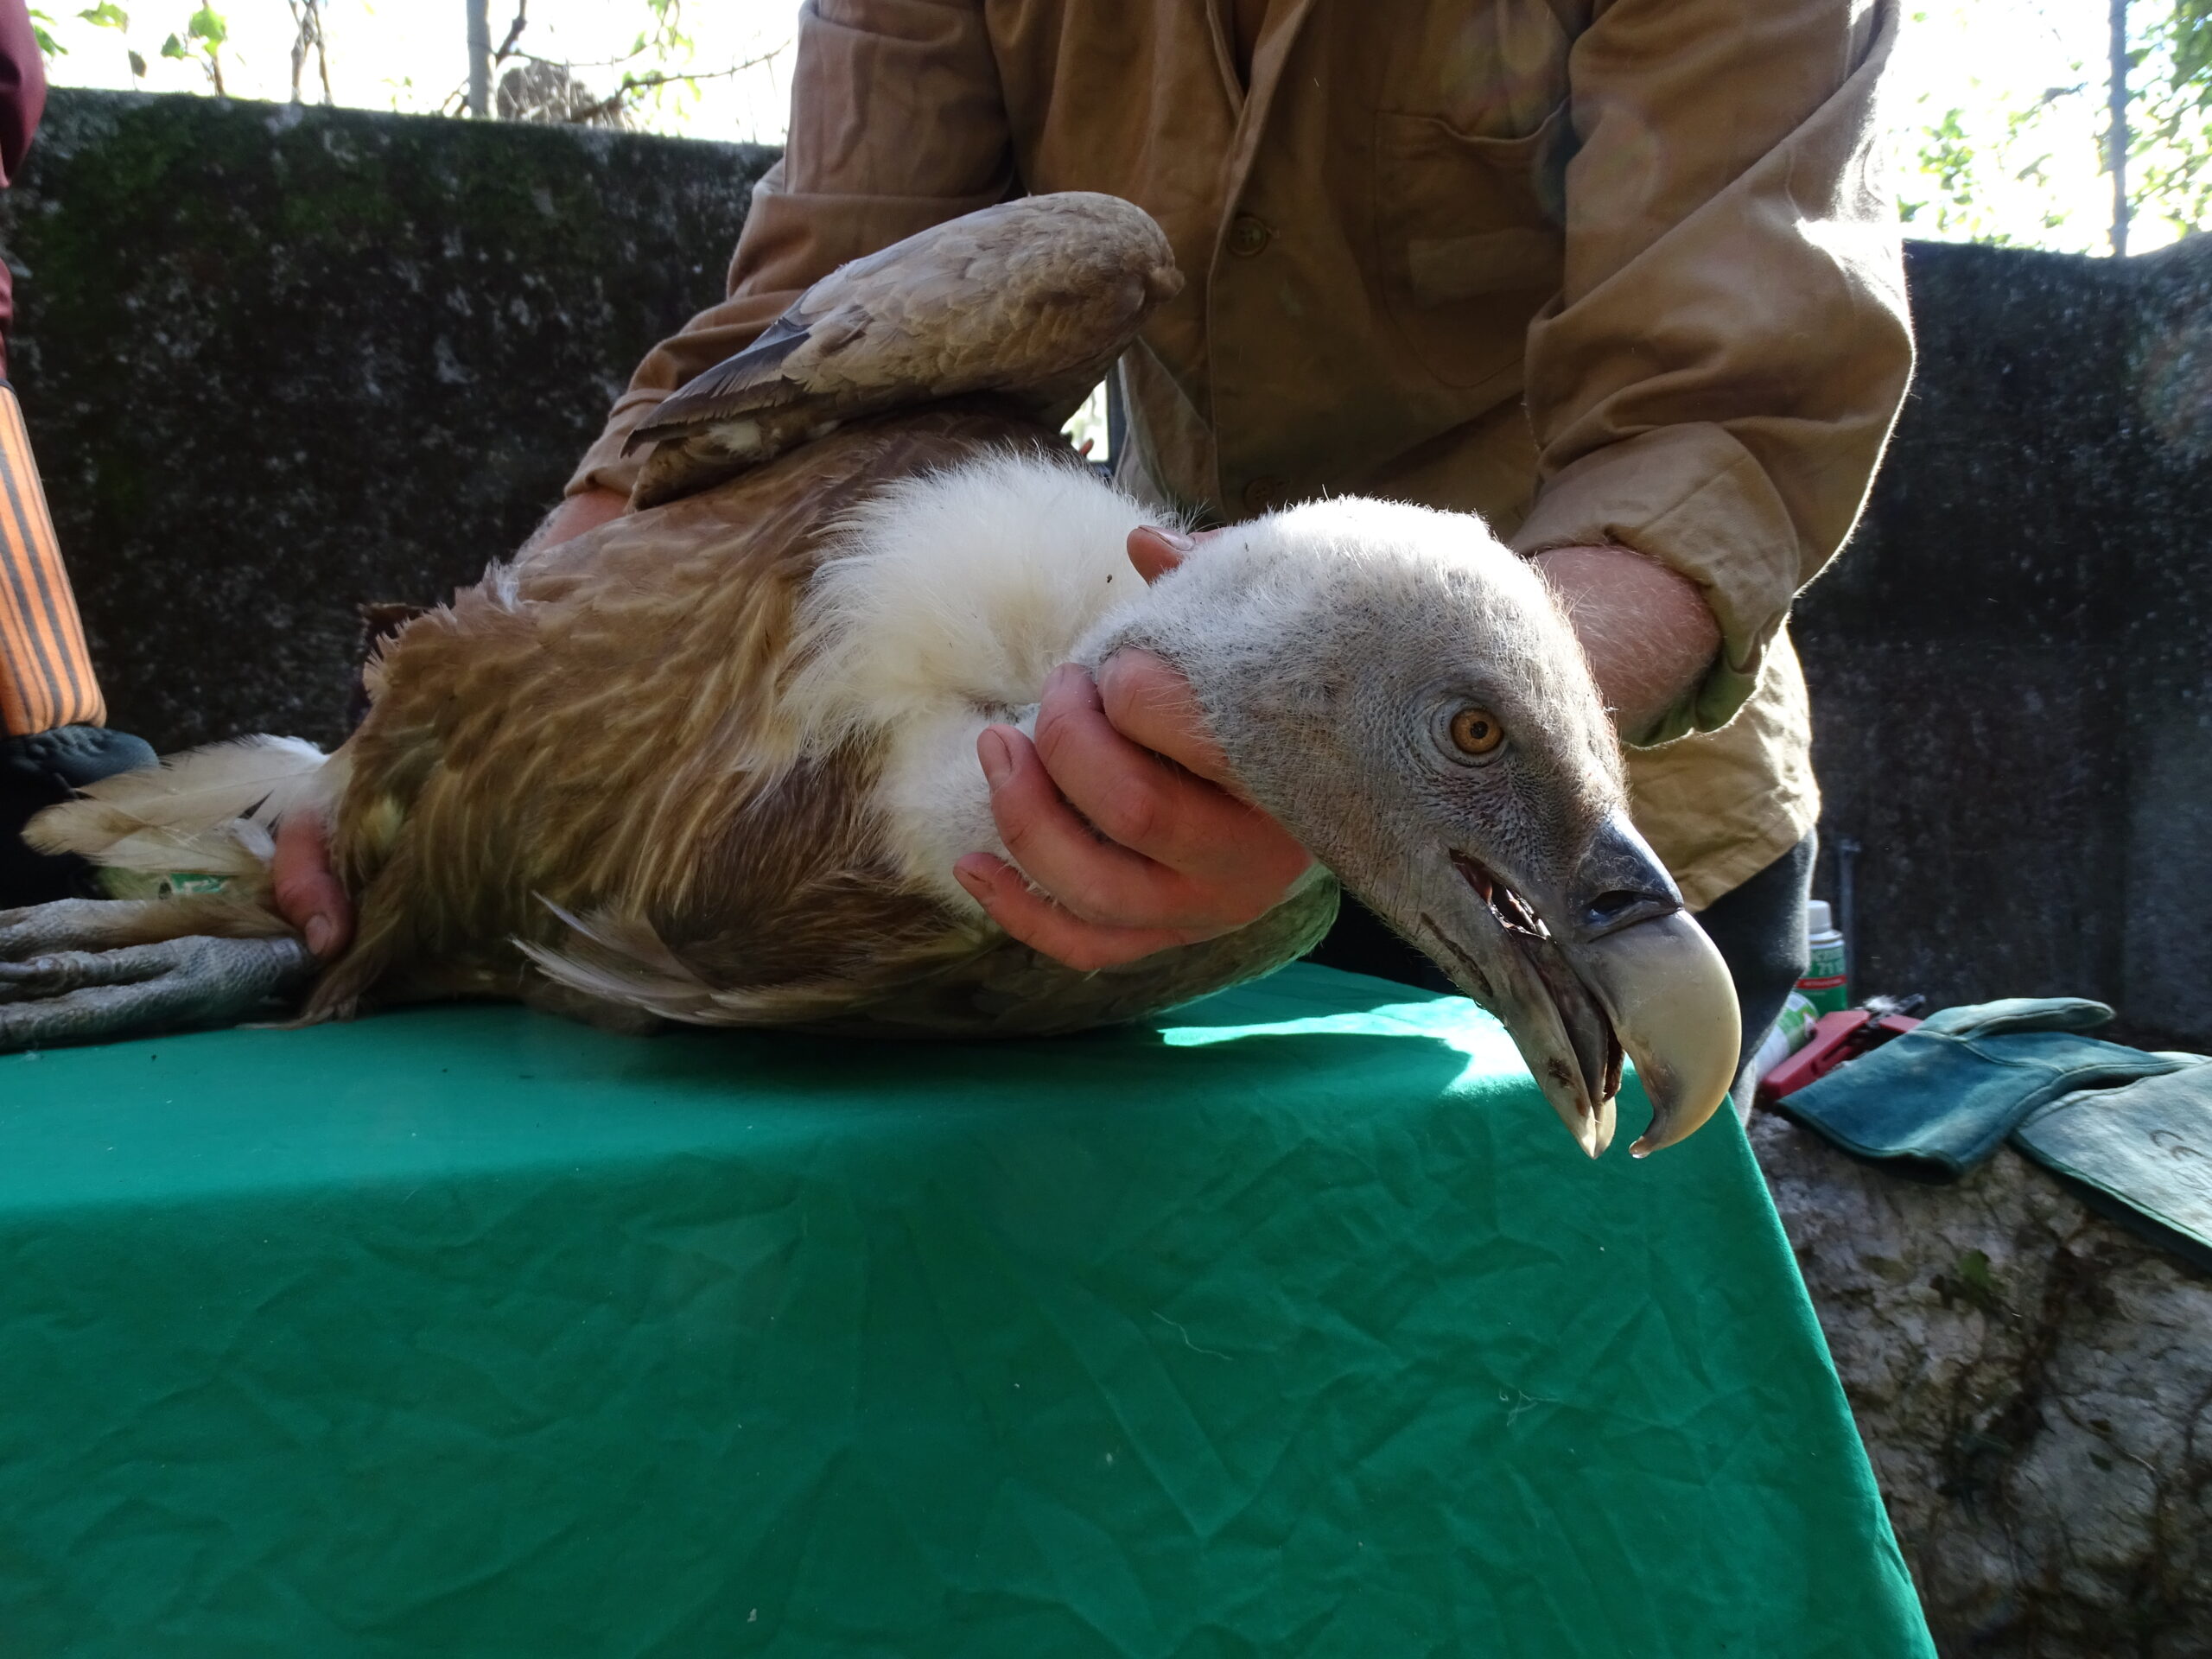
(1404, 694)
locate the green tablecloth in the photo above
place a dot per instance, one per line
(1295, 1325)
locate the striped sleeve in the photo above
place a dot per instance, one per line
(46, 674)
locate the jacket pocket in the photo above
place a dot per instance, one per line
(1470, 245)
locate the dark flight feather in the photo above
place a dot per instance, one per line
(747, 381)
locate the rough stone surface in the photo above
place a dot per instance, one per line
(2034, 1386)
(278, 361)
(2012, 690)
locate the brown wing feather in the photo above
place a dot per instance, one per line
(1032, 300)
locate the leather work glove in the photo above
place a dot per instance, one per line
(43, 770)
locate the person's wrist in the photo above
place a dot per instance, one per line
(586, 510)
(1647, 631)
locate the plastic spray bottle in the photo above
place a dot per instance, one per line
(1827, 984)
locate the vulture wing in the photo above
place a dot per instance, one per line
(1030, 301)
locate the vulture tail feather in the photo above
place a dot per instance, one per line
(624, 962)
(208, 809)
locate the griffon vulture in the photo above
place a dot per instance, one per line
(712, 763)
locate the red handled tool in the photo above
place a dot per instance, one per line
(1839, 1037)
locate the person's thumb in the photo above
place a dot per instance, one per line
(307, 894)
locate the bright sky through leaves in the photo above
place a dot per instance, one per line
(412, 54)
(1996, 107)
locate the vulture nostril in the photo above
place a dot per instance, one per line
(1607, 905)
(1620, 906)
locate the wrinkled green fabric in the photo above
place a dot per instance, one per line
(1294, 1326)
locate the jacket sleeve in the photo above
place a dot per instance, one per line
(1716, 382)
(897, 123)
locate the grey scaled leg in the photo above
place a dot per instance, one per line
(66, 975)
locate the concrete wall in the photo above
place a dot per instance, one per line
(278, 362)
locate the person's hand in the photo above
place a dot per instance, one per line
(306, 893)
(1647, 630)
(1118, 814)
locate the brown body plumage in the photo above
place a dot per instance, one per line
(581, 739)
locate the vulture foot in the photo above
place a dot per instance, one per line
(52, 993)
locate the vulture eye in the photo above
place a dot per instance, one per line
(1476, 731)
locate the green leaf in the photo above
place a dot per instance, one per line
(173, 48)
(206, 25)
(2192, 38)
(106, 15)
(47, 45)
(138, 66)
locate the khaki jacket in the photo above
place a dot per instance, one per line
(1620, 272)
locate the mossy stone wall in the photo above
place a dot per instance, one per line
(279, 361)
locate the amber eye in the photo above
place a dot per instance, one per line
(1476, 731)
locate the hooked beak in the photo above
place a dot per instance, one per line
(1618, 966)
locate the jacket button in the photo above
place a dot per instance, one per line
(1265, 494)
(1248, 235)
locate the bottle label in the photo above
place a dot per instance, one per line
(1827, 985)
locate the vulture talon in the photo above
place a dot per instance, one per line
(80, 996)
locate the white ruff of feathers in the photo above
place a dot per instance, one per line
(946, 603)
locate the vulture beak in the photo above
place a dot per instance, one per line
(1612, 963)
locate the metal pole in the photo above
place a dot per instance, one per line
(480, 57)
(1846, 902)
(2116, 139)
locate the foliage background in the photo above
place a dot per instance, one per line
(1998, 109)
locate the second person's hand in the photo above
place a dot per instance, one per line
(1126, 839)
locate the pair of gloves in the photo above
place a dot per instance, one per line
(2133, 1129)
(43, 770)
